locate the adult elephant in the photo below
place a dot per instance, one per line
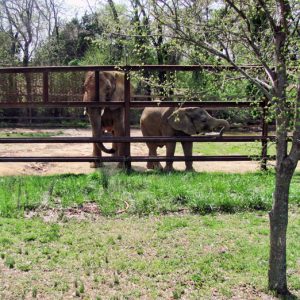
(110, 119)
(169, 121)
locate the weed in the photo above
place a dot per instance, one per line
(81, 288)
(116, 279)
(34, 292)
(10, 262)
(5, 241)
(140, 251)
(24, 267)
(177, 294)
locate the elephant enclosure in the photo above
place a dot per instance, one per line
(29, 93)
(81, 149)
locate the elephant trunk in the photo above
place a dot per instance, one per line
(225, 126)
(104, 149)
(221, 123)
(95, 120)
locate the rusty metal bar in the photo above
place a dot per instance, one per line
(60, 104)
(133, 104)
(213, 68)
(127, 68)
(45, 86)
(134, 139)
(121, 159)
(97, 94)
(127, 119)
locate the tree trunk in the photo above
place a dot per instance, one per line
(278, 227)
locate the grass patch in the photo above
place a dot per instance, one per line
(232, 148)
(144, 193)
(157, 257)
(29, 134)
(218, 248)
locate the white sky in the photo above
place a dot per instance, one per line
(79, 7)
(74, 7)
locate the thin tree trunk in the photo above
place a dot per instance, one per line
(278, 228)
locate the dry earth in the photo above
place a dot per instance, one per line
(81, 149)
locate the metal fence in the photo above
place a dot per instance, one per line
(45, 102)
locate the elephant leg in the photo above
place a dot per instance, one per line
(95, 120)
(119, 147)
(153, 152)
(170, 153)
(188, 151)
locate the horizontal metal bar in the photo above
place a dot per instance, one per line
(123, 159)
(127, 68)
(133, 104)
(50, 118)
(208, 104)
(139, 139)
(60, 104)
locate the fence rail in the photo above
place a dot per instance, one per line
(128, 104)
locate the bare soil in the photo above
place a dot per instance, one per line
(81, 149)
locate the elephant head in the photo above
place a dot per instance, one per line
(111, 88)
(195, 120)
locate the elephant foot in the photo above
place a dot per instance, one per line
(96, 164)
(189, 169)
(121, 165)
(154, 166)
(169, 169)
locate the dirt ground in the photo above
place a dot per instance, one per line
(81, 149)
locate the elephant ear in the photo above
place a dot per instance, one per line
(117, 88)
(179, 120)
(110, 84)
(197, 113)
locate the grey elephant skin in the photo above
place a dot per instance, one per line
(169, 121)
(109, 119)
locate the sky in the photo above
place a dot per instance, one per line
(79, 7)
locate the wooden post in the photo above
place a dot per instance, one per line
(45, 86)
(127, 119)
(97, 94)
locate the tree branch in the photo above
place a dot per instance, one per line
(272, 22)
(295, 150)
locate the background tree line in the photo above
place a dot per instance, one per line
(35, 32)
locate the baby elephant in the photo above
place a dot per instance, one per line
(170, 121)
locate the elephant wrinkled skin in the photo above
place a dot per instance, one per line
(110, 119)
(169, 121)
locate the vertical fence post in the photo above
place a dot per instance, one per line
(264, 141)
(97, 94)
(127, 118)
(45, 86)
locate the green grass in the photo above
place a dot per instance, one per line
(184, 235)
(241, 148)
(144, 193)
(153, 257)
(29, 134)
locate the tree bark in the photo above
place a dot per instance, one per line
(278, 228)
